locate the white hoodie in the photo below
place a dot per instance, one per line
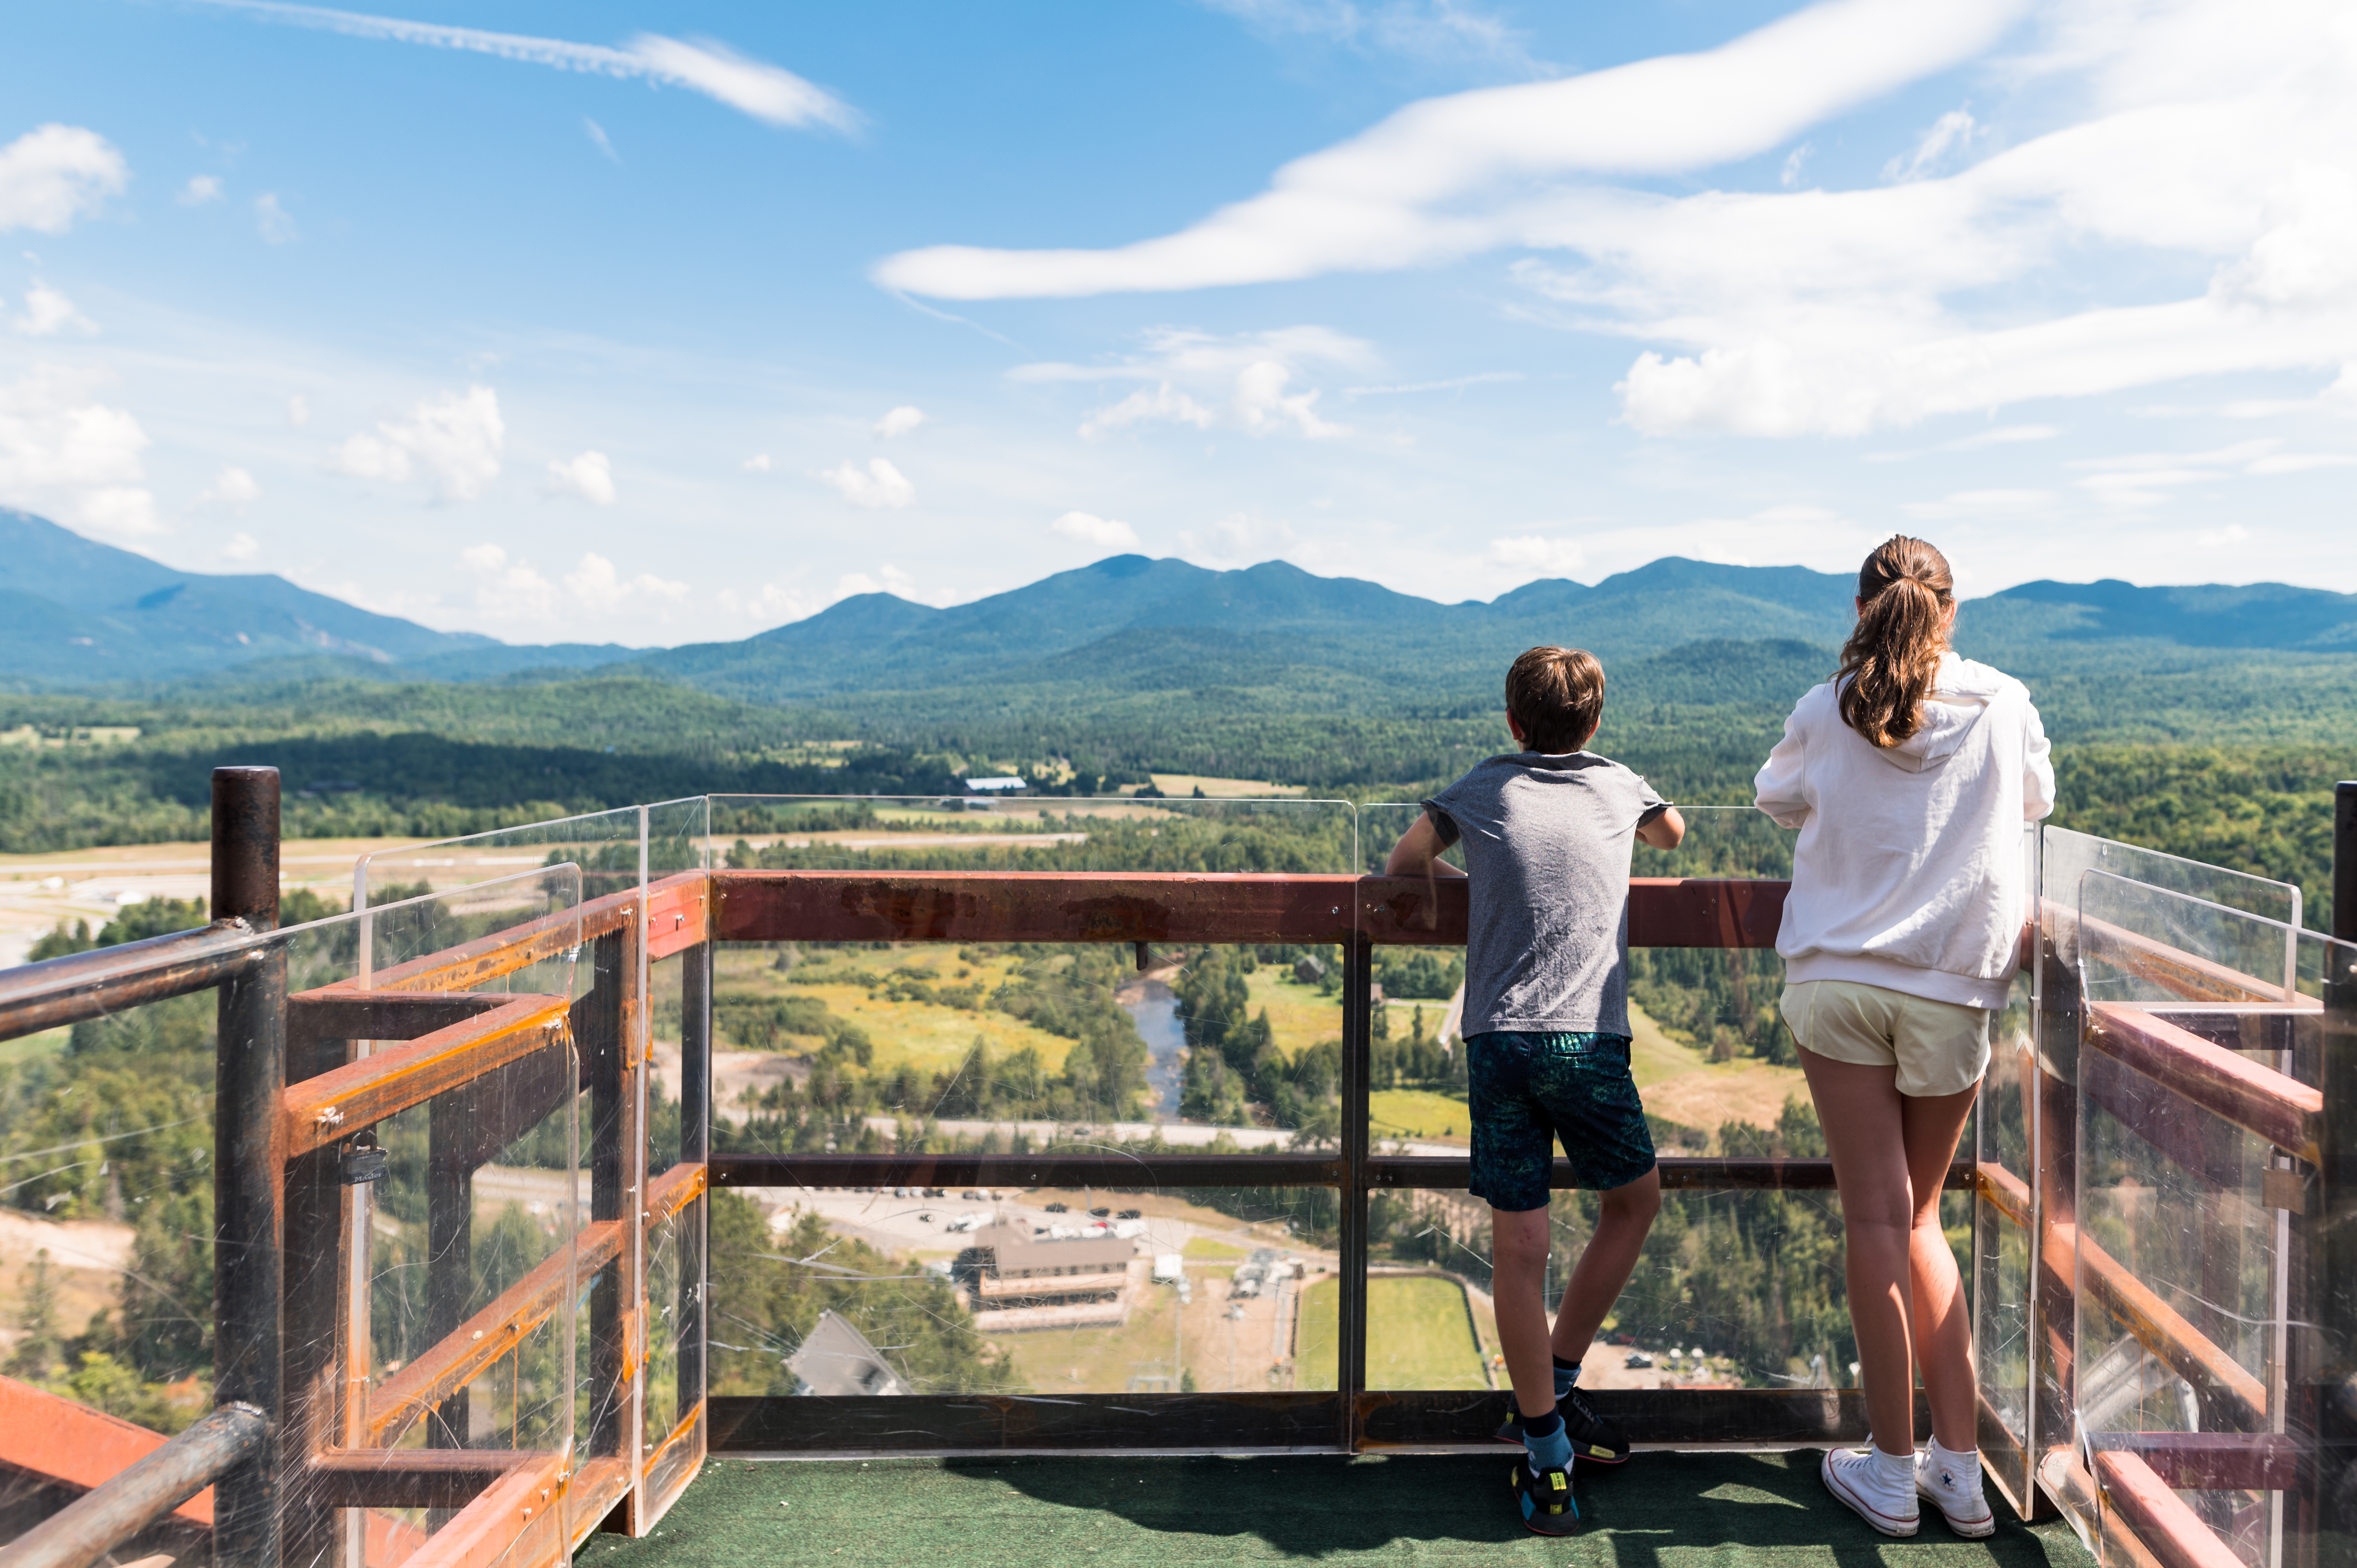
(1908, 872)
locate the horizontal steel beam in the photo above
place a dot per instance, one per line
(1055, 1169)
(2164, 1526)
(1122, 907)
(449, 1365)
(410, 1478)
(2215, 1461)
(1181, 1168)
(334, 1106)
(95, 1523)
(2232, 1393)
(2259, 1099)
(338, 1013)
(61, 991)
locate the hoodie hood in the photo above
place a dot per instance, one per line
(1962, 692)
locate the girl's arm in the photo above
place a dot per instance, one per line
(1779, 787)
(2036, 768)
(1418, 853)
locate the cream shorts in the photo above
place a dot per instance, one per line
(1939, 1047)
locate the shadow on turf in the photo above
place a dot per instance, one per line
(1658, 1504)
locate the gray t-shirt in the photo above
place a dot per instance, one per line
(1547, 846)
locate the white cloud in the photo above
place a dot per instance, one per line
(770, 605)
(1421, 30)
(2209, 139)
(1447, 176)
(234, 488)
(1162, 401)
(899, 421)
(1793, 162)
(756, 463)
(765, 92)
(273, 221)
(299, 411)
(598, 134)
(1950, 134)
(599, 587)
(59, 444)
(242, 547)
(484, 557)
(121, 511)
(877, 485)
(201, 188)
(366, 457)
(48, 312)
(889, 579)
(1248, 373)
(51, 176)
(458, 436)
(2221, 537)
(1097, 533)
(589, 476)
(510, 590)
(1538, 555)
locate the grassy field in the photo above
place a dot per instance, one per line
(1298, 1015)
(1417, 1335)
(927, 1036)
(1204, 1249)
(1418, 1114)
(26, 1048)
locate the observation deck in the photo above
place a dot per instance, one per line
(522, 1209)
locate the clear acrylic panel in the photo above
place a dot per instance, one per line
(2067, 856)
(361, 1199)
(844, 1292)
(604, 845)
(2142, 943)
(1023, 832)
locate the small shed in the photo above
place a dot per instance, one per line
(1307, 970)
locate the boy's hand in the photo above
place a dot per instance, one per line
(1418, 853)
(1664, 831)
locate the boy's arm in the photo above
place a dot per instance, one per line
(1663, 830)
(1418, 853)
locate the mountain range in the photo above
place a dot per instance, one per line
(75, 612)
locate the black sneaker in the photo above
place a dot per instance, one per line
(1593, 1438)
(1544, 1498)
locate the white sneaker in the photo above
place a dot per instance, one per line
(1874, 1484)
(1952, 1482)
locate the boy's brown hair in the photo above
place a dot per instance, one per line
(1556, 695)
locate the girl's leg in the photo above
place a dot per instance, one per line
(1860, 1108)
(1942, 1330)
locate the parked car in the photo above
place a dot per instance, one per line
(1058, 1208)
(1131, 1214)
(1637, 1359)
(1100, 1213)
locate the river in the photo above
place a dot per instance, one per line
(1154, 1006)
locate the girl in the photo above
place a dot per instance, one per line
(1911, 775)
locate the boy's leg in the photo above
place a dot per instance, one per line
(1518, 1255)
(1625, 1218)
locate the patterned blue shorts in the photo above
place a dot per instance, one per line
(1528, 1090)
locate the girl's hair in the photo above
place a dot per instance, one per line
(1889, 662)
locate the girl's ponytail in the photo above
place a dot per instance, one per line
(1890, 660)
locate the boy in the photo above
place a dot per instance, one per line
(1547, 835)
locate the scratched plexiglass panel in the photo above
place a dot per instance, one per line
(2193, 1078)
(853, 1292)
(605, 845)
(1028, 832)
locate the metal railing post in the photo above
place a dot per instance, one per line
(249, 1165)
(694, 1148)
(1351, 1325)
(2332, 1266)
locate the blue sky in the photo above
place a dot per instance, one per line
(666, 324)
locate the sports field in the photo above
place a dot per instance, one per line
(1418, 1336)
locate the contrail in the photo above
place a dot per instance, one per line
(768, 93)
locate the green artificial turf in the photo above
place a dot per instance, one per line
(1660, 1510)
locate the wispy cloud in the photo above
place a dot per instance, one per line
(769, 94)
(1203, 377)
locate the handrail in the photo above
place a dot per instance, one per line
(2259, 1099)
(101, 1519)
(80, 986)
